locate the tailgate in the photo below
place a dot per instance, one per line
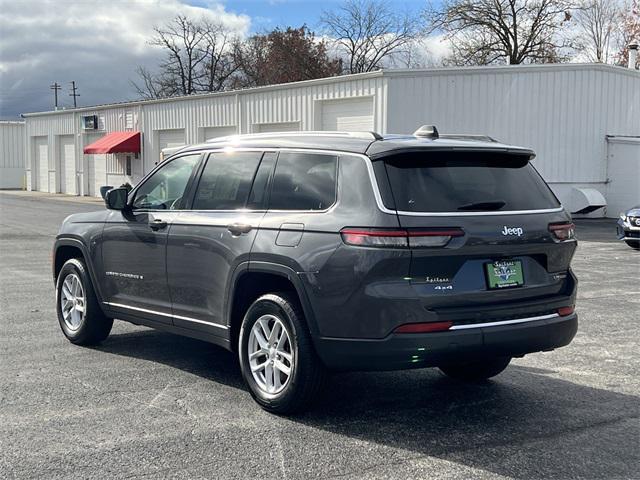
(510, 246)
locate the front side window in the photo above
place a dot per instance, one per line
(165, 188)
(226, 181)
(304, 181)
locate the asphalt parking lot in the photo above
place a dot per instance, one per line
(149, 404)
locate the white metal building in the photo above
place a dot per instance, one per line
(583, 120)
(12, 158)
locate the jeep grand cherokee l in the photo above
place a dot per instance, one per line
(310, 252)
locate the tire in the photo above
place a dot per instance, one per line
(87, 327)
(476, 371)
(633, 244)
(282, 393)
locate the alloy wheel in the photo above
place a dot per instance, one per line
(270, 354)
(72, 302)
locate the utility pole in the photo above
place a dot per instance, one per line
(74, 94)
(55, 87)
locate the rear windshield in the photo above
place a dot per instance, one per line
(464, 181)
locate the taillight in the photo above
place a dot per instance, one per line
(368, 237)
(423, 327)
(563, 231)
(393, 238)
(564, 311)
(436, 237)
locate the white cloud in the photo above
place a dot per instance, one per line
(438, 48)
(96, 43)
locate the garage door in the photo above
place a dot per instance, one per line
(623, 167)
(351, 115)
(215, 132)
(277, 127)
(41, 157)
(170, 138)
(67, 155)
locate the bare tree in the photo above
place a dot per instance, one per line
(367, 32)
(148, 85)
(629, 30)
(198, 58)
(185, 44)
(501, 31)
(598, 22)
(219, 64)
(205, 56)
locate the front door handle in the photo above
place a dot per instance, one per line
(238, 229)
(157, 224)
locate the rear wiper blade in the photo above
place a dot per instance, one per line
(494, 205)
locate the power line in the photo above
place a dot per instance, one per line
(74, 94)
(55, 87)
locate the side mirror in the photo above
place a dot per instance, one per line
(116, 199)
(104, 189)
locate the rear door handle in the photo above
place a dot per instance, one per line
(157, 224)
(238, 229)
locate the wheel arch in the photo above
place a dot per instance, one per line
(66, 248)
(250, 282)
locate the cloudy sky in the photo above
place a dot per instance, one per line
(99, 44)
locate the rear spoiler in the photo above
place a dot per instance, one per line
(515, 151)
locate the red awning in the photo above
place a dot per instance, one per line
(115, 142)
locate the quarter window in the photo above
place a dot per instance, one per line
(226, 181)
(304, 181)
(164, 189)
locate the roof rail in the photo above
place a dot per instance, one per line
(364, 135)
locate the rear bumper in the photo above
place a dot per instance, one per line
(404, 351)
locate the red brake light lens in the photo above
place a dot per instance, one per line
(423, 327)
(392, 238)
(563, 231)
(369, 237)
(564, 311)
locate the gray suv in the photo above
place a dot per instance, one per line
(311, 252)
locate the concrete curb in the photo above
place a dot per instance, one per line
(53, 196)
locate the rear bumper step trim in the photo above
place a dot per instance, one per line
(504, 322)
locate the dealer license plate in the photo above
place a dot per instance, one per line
(504, 274)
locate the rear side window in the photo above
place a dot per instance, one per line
(226, 181)
(304, 181)
(465, 181)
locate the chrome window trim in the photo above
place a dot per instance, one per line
(504, 322)
(238, 210)
(179, 317)
(479, 214)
